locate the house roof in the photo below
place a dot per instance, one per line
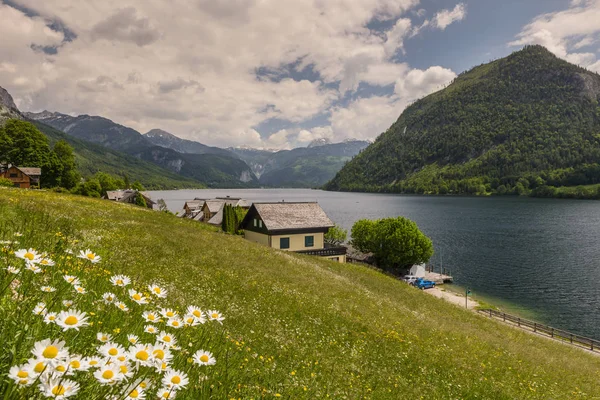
(214, 205)
(30, 171)
(194, 203)
(217, 219)
(124, 195)
(114, 194)
(286, 216)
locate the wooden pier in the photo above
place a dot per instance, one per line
(438, 278)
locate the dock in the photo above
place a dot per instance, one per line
(439, 279)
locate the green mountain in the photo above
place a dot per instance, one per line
(163, 138)
(515, 125)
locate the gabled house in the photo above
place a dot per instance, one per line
(213, 208)
(128, 196)
(22, 177)
(298, 227)
(192, 208)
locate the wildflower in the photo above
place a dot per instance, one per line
(133, 339)
(111, 350)
(120, 280)
(30, 256)
(48, 289)
(138, 297)
(50, 318)
(190, 320)
(103, 337)
(166, 393)
(168, 313)
(40, 309)
(13, 270)
(197, 313)
(175, 323)
(71, 319)
(69, 251)
(79, 289)
(73, 280)
(109, 298)
(33, 268)
(46, 262)
(59, 388)
(78, 363)
(67, 303)
(93, 362)
(48, 350)
(135, 394)
(108, 374)
(121, 306)
(89, 255)
(61, 367)
(214, 315)
(18, 234)
(202, 357)
(175, 379)
(150, 316)
(140, 354)
(161, 355)
(150, 329)
(158, 291)
(166, 338)
(21, 374)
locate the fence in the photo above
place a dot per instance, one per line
(559, 334)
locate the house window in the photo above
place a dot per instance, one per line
(309, 241)
(255, 222)
(13, 175)
(260, 223)
(284, 243)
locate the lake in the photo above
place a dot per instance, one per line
(537, 257)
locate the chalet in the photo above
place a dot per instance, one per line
(298, 227)
(128, 196)
(22, 177)
(192, 208)
(212, 209)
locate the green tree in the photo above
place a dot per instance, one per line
(69, 176)
(108, 182)
(139, 200)
(137, 186)
(394, 242)
(162, 205)
(23, 145)
(5, 182)
(336, 235)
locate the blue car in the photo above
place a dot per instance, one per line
(423, 284)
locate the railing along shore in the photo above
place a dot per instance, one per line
(545, 330)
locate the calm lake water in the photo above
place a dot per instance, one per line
(540, 257)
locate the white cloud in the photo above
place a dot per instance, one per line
(566, 31)
(418, 83)
(443, 18)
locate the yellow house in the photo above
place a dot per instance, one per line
(298, 227)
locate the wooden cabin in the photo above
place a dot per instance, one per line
(298, 227)
(128, 196)
(23, 177)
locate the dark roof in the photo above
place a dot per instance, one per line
(285, 215)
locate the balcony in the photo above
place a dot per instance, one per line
(328, 251)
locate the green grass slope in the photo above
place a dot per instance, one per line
(530, 119)
(92, 158)
(299, 327)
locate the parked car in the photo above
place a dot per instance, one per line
(423, 283)
(410, 279)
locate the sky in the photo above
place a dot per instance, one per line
(268, 73)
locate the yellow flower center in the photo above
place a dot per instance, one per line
(167, 339)
(23, 382)
(71, 320)
(143, 385)
(204, 358)
(93, 362)
(91, 256)
(22, 374)
(109, 298)
(134, 394)
(121, 358)
(137, 296)
(61, 368)
(175, 323)
(75, 364)
(30, 256)
(119, 281)
(50, 352)
(159, 354)
(121, 306)
(166, 395)
(123, 369)
(113, 351)
(39, 367)
(104, 338)
(44, 262)
(170, 314)
(108, 374)
(80, 289)
(197, 313)
(215, 315)
(190, 320)
(157, 290)
(141, 355)
(58, 390)
(51, 317)
(70, 280)
(176, 380)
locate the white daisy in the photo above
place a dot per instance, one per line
(30, 256)
(197, 313)
(94, 362)
(37, 367)
(50, 318)
(166, 393)
(61, 368)
(202, 357)
(133, 339)
(33, 268)
(108, 374)
(135, 394)
(109, 297)
(48, 350)
(190, 320)
(140, 354)
(78, 363)
(157, 291)
(175, 379)
(21, 374)
(121, 306)
(18, 234)
(111, 350)
(72, 319)
(151, 316)
(175, 322)
(67, 303)
(89, 255)
(103, 337)
(48, 289)
(161, 354)
(125, 369)
(69, 251)
(13, 270)
(137, 297)
(79, 289)
(168, 313)
(40, 309)
(214, 315)
(150, 329)
(120, 280)
(59, 388)
(73, 280)
(46, 262)
(166, 338)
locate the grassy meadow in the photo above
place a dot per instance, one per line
(295, 327)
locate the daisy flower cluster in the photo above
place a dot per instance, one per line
(101, 336)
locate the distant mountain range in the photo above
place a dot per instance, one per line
(526, 123)
(160, 159)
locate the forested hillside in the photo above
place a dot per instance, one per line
(523, 124)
